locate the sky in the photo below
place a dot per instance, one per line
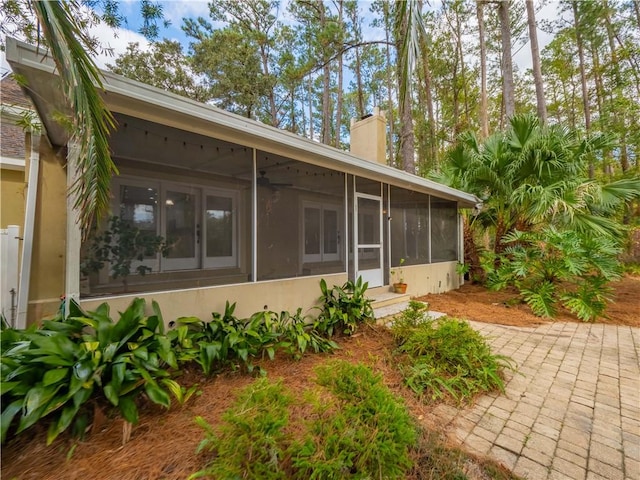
(175, 10)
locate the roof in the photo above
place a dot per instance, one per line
(13, 102)
(144, 101)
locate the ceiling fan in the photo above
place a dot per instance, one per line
(263, 181)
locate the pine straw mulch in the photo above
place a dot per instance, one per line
(475, 302)
(163, 444)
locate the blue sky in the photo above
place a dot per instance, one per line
(176, 10)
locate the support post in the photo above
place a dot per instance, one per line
(74, 233)
(29, 226)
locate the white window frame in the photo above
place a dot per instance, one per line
(186, 263)
(153, 263)
(323, 256)
(220, 262)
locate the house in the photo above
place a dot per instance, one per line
(253, 214)
(17, 118)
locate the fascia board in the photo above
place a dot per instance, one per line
(27, 56)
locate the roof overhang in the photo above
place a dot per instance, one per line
(144, 101)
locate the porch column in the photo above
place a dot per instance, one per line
(29, 222)
(74, 233)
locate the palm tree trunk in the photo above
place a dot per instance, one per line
(472, 254)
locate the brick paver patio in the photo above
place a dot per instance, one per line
(572, 411)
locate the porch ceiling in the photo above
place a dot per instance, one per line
(144, 102)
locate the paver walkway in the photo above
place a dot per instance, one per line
(571, 412)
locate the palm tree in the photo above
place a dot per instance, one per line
(533, 176)
(92, 121)
(61, 27)
(408, 31)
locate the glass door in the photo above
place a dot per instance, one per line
(219, 231)
(181, 228)
(368, 239)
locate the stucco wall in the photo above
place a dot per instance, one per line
(12, 190)
(433, 278)
(48, 257)
(276, 295)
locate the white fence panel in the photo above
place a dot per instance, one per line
(9, 248)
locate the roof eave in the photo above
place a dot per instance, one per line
(28, 61)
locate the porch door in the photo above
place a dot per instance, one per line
(368, 239)
(181, 227)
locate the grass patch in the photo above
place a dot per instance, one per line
(358, 429)
(363, 431)
(446, 358)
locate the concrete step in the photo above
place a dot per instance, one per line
(386, 298)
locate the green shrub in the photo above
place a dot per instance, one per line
(250, 442)
(359, 430)
(552, 267)
(446, 357)
(364, 432)
(54, 370)
(229, 339)
(343, 308)
(409, 318)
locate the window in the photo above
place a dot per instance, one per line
(220, 230)
(199, 224)
(444, 230)
(300, 218)
(409, 227)
(321, 233)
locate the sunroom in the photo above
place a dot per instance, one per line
(249, 213)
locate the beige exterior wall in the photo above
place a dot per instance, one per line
(12, 195)
(433, 278)
(276, 295)
(49, 242)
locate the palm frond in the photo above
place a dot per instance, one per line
(408, 22)
(92, 120)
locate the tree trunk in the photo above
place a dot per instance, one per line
(583, 78)
(357, 34)
(360, 102)
(273, 110)
(462, 69)
(537, 69)
(310, 107)
(326, 87)
(433, 151)
(407, 141)
(484, 114)
(339, 96)
(472, 254)
(391, 147)
(508, 91)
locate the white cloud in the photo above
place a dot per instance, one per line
(114, 43)
(175, 11)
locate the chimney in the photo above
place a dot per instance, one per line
(369, 137)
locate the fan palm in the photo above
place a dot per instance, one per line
(533, 175)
